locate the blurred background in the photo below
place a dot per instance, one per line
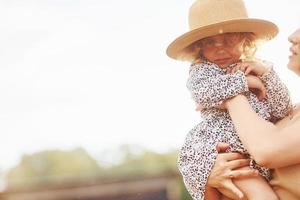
(91, 107)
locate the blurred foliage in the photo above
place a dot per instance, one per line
(57, 167)
(52, 167)
(147, 163)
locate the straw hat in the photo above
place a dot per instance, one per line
(212, 17)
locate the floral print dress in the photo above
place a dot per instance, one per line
(209, 86)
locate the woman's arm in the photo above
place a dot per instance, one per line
(269, 146)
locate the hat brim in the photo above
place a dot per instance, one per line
(263, 29)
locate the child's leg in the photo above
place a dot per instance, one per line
(225, 198)
(212, 194)
(255, 188)
(226, 195)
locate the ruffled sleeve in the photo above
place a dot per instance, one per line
(209, 87)
(277, 94)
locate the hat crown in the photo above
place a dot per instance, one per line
(206, 12)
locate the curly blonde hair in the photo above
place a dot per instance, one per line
(248, 44)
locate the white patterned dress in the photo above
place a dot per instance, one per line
(209, 86)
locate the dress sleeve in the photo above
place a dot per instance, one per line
(209, 88)
(196, 160)
(277, 94)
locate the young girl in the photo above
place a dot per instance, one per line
(216, 45)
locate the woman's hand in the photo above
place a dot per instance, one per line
(226, 168)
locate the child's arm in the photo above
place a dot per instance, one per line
(209, 88)
(277, 94)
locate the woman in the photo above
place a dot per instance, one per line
(281, 153)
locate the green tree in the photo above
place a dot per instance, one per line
(53, 166)
(142, 162)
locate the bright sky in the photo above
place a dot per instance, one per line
(94, 73)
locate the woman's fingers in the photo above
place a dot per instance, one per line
(238, 163)
(243, 173)
(232, 156)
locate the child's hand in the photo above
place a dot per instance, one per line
(256, 86)
(250, 68)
